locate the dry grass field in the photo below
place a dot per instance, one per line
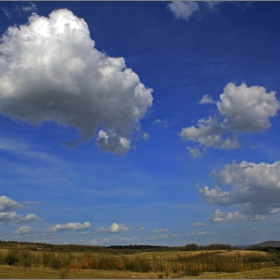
(7, 272)
(210, 264)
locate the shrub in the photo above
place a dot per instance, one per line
(25, 258)
(11, 258)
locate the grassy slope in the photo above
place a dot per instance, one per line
(7, 272)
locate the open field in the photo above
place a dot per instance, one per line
(217, 264)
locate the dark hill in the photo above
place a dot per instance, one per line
(267, 244)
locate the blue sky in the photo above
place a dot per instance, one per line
(139, 122)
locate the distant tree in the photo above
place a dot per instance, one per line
(191, 247)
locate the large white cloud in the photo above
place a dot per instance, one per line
(240, 109)
(52, 72)
(254, 188)
(69, 226)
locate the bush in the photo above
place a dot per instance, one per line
(25, 258)
(11, 258)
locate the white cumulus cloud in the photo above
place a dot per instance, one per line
(69, 226)
(247, 109)
(254, 188)
(240, 109)
(51, 71)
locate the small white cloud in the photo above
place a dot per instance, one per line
(69, 226)
(25, 230)
(198, 224)
(29, 7)
(156, 237)
(183, 10)
(160, 230)
(164, 123)
(114, 228)
(146, 136)
(258, 218)
(141, 228)
(206, 99)
(6, 12)
(199, 233)
(216, 195)
(6, 217)
(7, 204)
(110, 142)
(275, 211)
(194, 152)
(93, 241)
(220, 217)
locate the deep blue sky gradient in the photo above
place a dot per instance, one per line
(155, 185)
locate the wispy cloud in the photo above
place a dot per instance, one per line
(198, 224)
(69, 226)
(160, 230)
(163, 123)
(6, 217)
(156, 237)
(183, 10)
(18, 9)
(206, 99)
(199, 233)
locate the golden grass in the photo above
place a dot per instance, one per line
(7, 272)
